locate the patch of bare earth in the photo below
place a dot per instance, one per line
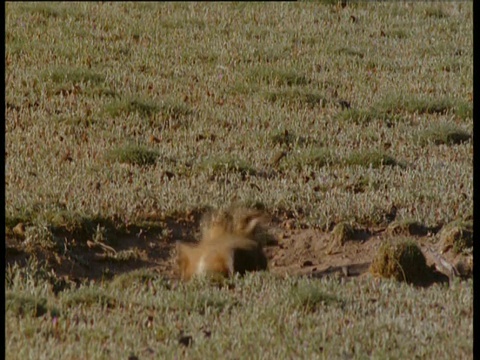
(304, 252)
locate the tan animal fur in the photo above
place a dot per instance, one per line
(229, 244)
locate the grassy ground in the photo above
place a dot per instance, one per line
(258, 317)
(122, 116)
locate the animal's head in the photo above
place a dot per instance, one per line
(237, 221)
(230, 242)
(202, 260)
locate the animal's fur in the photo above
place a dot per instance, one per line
(229, 244)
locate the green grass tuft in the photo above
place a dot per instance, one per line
(370, 158)
(364, 117)
(144, 108)
(276, 77)
(315, 157)
(76, 75)
(443, 133)
(88, 297)
(391, 108)
(464, 110)
(310, 297)
(133, 154)
(169, 109)
(25, 305)
(395, 104)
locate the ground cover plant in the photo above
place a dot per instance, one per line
(350, 124)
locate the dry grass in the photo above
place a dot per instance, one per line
(272, 317)
(295, 80)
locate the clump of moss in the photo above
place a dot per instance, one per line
(401, 260)
(457, 235)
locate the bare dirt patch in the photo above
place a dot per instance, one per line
(304, 252)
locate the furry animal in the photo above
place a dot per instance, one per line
(230, 243)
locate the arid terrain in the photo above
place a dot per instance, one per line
(291, 251)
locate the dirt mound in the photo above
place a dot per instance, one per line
(347, 251)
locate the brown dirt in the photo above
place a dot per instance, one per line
(296, 252)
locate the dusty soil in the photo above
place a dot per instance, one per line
(294, 252)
